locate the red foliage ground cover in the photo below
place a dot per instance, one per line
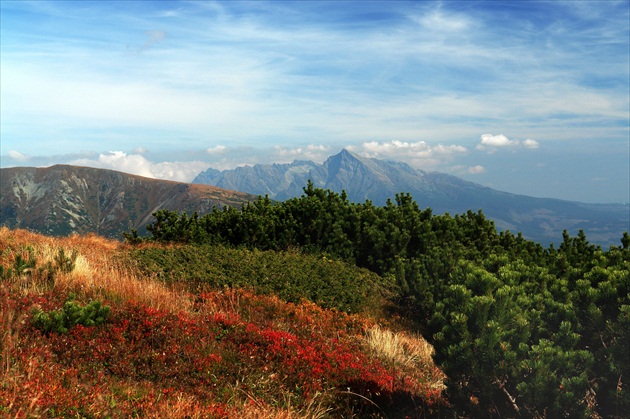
(144, 362)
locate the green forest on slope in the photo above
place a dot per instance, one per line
(519, 329)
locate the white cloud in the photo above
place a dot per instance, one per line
(475, 170)
(492, 143)
(418, 154)
(497, 141)
(219, 149)
(396, 148)
(179, 171)
(139, 165)
(439, 21)
(529, 143)
(316, 153)
(17, 156)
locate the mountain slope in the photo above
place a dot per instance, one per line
(63, 199)
(539, 219)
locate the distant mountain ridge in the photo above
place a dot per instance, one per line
(539, 219)
(62, 199)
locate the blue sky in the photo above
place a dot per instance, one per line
(523, 96)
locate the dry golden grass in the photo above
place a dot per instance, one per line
(399, 348)
(406, 351)
(99, 271)
(253, 409)
(184, 407)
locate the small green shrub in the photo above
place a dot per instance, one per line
(71, 314)
(132, 237)
(25, 264)
(65, 263)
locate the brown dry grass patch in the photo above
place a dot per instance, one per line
(405, 351)
(99, 270)
(399, 348)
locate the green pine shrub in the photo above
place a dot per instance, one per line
(65, 263)
(292, 276)
(71, 314)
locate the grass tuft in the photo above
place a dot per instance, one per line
(399, 348)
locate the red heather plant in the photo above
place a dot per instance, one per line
(144, 359)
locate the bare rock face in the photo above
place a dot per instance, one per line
(61, 200)
(539, 219)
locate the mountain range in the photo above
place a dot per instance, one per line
(539, 219)
(62, 199)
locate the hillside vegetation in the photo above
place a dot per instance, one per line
(519, 329)
(314, 307)
(95, 328)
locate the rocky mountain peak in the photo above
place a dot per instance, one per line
(377, 180)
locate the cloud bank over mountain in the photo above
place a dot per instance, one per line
(419, 155)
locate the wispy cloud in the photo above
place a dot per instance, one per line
(17, 156)
(198, 76)
(437, 19)
(529, 143)
(316, 153)
(219, 149)
(418, 154)
(233, 71)
(474, 170)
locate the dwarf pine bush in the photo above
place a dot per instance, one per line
(70, 315)
(65, 263)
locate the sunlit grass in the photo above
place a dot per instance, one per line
(408, 352)
(254, 409)
(399, 348)
(98, 270)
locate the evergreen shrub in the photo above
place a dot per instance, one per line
(70, 315)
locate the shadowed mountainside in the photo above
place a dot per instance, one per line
(62, 199)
